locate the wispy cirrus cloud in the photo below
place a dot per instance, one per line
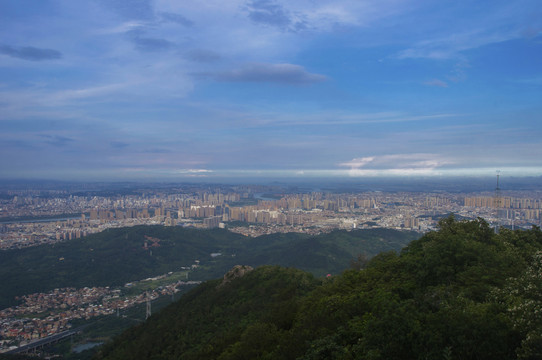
(95, 92)
(152, 44)
(437, 83)
(498, 24)
(57, 140)
(269, 12)
(30, 53)
(335, 118)
(148, 44)
(271, 73)
(320, 16)
(176, 18)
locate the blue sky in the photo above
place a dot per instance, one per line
(163, 89)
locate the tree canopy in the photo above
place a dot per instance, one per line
(461, 292)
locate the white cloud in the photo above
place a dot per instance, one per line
(193, 171)
(394, 165)
(357, 163)
(84, 93)
(121, 28)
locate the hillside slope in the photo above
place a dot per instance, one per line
(256, 309)
(462, 292)
(117, 256)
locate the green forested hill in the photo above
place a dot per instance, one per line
(117, 256)
(322, 254)
(112, 257)
(462, 292)
(211, 319)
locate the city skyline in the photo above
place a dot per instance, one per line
(152, 90)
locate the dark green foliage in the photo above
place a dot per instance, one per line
(117, 256)
(325, 253)
(16, 357)
(465, 255)
(246, 318)
(112, 257)
(462, 292)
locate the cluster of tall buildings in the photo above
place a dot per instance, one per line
(508, 207)
(274, 208)
(503, 202)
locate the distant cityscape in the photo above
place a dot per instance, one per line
(33, 217)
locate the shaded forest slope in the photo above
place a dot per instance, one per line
(462, 292)
(117, 256)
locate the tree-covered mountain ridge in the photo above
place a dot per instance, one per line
(117, 256)
(461, 292)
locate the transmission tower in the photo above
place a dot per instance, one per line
(148, 314)
(497, 204)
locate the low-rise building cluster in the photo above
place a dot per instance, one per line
(44, 314)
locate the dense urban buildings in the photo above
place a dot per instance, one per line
(31, 217)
